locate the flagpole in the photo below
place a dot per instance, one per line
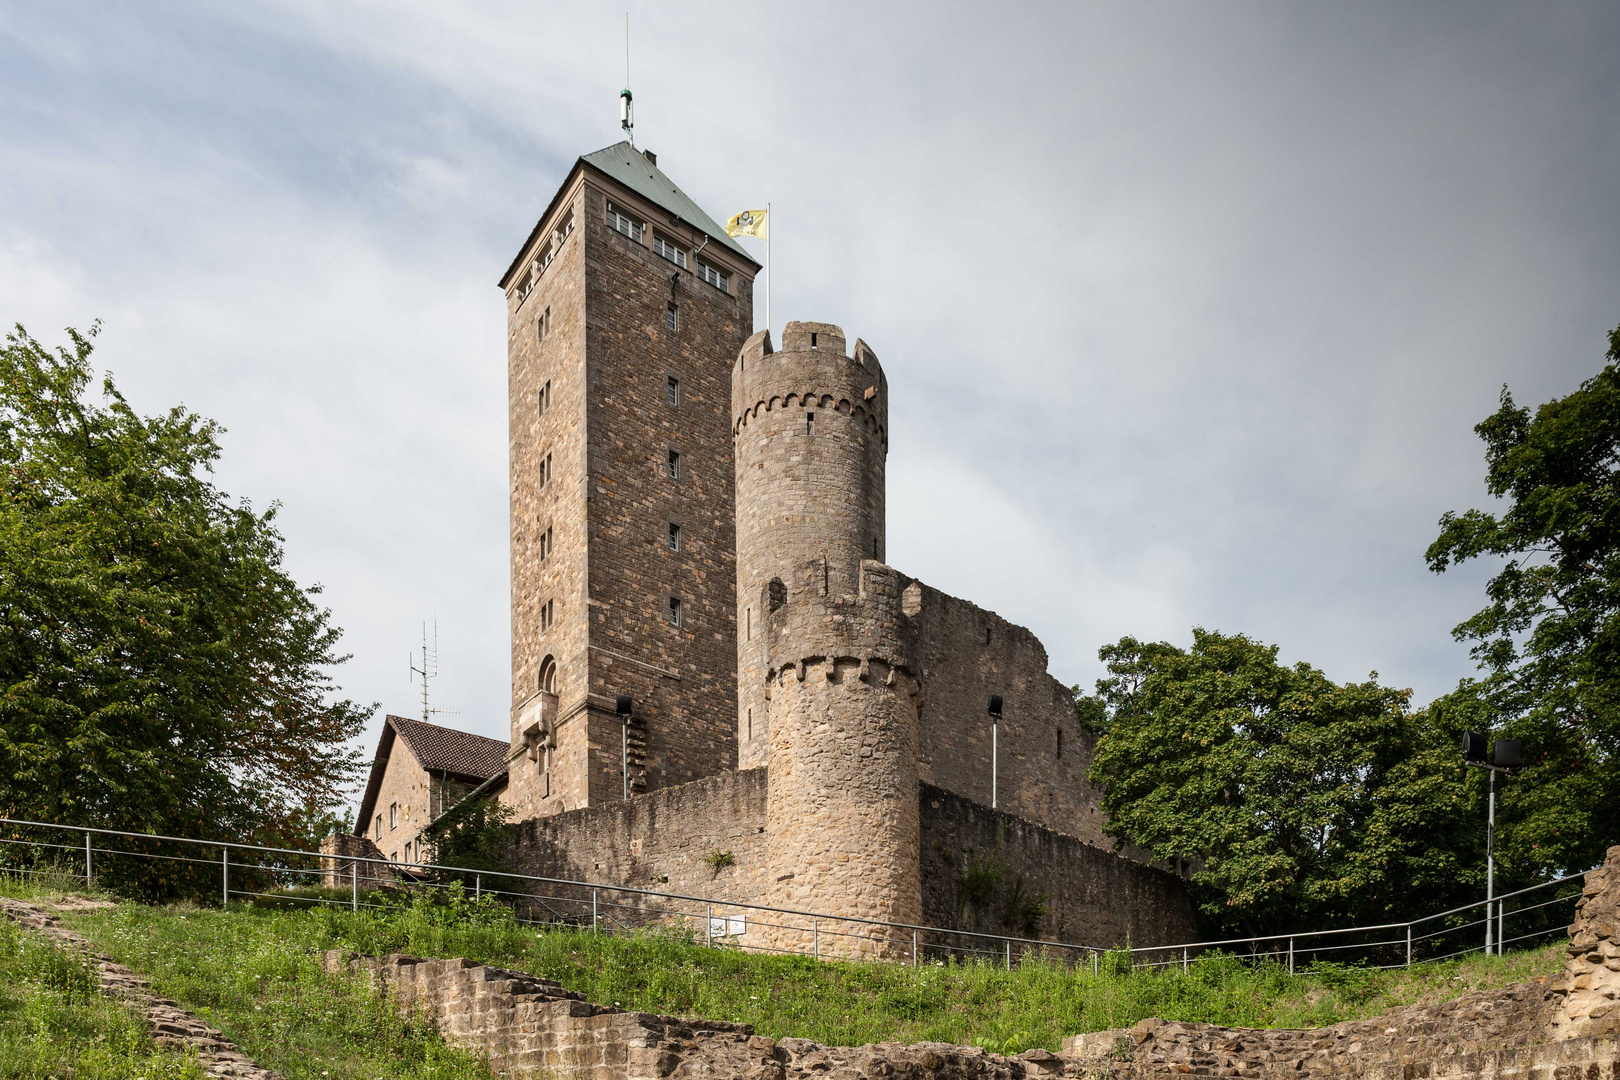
(770, 279)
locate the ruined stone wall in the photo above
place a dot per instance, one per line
(1563, 1026)
(811, 440)
(668, 840)
(531, 1027)
(995, 873)
(346, 852)
(963, 654)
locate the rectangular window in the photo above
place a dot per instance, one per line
(393, 815)
(674, 465)
(674, 391)
(620, 222)
(674, 613)
(545, 544)
(545, 257)
(542, 325)
(669, 251)
(379, 826)
(672, 317)
(564, 230)
(545, 398)
(545, 470)
(714, 277)
(548, 615)
(809, 423)
(674, 537)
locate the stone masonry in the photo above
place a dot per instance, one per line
(715, 551)
(169, 1024)
(618, 357)
(1565, 1027)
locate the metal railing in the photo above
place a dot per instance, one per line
(261, 873)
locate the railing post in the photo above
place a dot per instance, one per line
(914, 948)
(1408, 944)
(478, 886)
(593, 911)
(225, 876)
(1009, 955)
(1185, 962)
(708, 925)
(1290, 956)
(87, 858)
(354, 886)
(815, 936)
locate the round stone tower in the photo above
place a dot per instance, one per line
(829, 698)
(811, 431)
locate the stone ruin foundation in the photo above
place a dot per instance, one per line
(1561, 1027)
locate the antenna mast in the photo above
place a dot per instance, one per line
(627, 108)
(429, 668)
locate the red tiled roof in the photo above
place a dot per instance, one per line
(442, 749)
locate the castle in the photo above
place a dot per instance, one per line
(719, 686)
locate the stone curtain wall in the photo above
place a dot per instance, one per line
(996, 873)
(963, 654)
(669, 840)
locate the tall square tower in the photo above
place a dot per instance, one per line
(626, 308)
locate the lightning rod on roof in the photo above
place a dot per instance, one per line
(627, 107)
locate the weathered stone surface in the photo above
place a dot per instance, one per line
(1558, 1027)
(533, 1027)
(167, 1021)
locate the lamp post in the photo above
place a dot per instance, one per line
(624, 706)
(1506, 755)
(994, 709)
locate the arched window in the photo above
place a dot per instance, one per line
(548, 675)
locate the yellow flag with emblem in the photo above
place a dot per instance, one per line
(748, 223)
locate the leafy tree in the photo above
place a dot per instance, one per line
(1298, 802)
(159, 669)
(1548, 643)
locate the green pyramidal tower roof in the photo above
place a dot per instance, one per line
(631, 168)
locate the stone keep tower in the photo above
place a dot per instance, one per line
(822, 639)
(811, 426)
(625, 308)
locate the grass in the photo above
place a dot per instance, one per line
(254, 971)
(256, 975)
(55, 1022)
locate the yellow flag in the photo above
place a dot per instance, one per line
(747, 223)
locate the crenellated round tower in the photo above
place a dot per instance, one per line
(828, 695)
(811, 431)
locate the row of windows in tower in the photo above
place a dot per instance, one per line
(631, 226)
(674, 613)
(672, 394)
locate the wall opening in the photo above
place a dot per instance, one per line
(778, 593)
(547, 682)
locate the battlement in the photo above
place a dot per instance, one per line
(806, 622)
(811, 371)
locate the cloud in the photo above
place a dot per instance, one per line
(1188, 311)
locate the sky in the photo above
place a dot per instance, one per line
(1188, 310)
